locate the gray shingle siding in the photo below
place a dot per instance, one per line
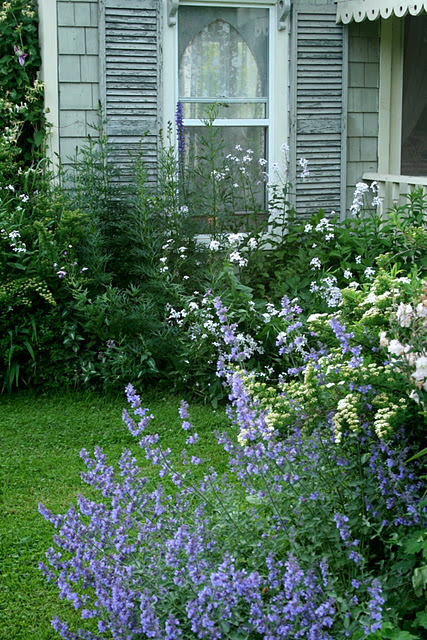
(78, 72)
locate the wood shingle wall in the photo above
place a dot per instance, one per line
(78, 51)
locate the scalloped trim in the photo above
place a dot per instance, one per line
(359, 10)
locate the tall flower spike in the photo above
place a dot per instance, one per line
(180, 136)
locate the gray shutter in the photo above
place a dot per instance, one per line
(129, 47)
(318, 108)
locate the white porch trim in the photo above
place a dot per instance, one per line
(48, 30)
(359, 10)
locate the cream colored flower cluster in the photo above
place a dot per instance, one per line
(347, 415)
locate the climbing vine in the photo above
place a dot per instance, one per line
(22, 119)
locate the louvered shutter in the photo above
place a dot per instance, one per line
(129, 48)
(318, 108)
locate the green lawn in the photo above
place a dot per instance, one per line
(40, 440)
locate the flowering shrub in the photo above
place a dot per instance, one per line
(37, 234)
(313, 259)
(300, 538)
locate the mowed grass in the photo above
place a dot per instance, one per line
(40, 441)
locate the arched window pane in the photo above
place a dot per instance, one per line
(217, 63)
(223, 56)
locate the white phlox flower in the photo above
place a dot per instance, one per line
(404, 314)
(396, 348)
(420, 368)
(421, 310)
(369, 273)
(235, 238)
(252, 243)
(361, 189)
(238, 259)
(303, 163)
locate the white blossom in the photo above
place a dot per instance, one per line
(361, 189)
(404, 314)
(252, 243)
(315, 263)
(396, 348)
(303, 163)
(421, 310)
(235, 238)
(420, 368)
(238, 259)
(369, 273)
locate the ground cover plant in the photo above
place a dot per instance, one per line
(41, 436)
(317, 530)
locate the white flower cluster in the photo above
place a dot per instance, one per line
(328, 290)
(383, 420)
(405, 353)
(303, 163)
(9, 135)
(238, 259)
(15, 242)
(346, 414)
(362, 189)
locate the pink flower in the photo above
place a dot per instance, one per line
(21, 55)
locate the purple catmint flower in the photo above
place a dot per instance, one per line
(180, 136)
(375, 606)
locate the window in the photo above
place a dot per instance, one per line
(403, 96)
(233, 53)
(223, 57)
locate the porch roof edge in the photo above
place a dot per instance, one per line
(360, 10)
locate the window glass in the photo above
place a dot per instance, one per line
(223, 56)
(414, 106)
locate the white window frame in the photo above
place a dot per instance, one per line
(48, 30)
(278, 120)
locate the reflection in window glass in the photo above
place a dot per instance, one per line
(414, 106)
(242, 147)
(223, 55)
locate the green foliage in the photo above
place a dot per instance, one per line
(36, 231)
(22, 119)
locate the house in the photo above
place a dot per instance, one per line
(344, 83)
